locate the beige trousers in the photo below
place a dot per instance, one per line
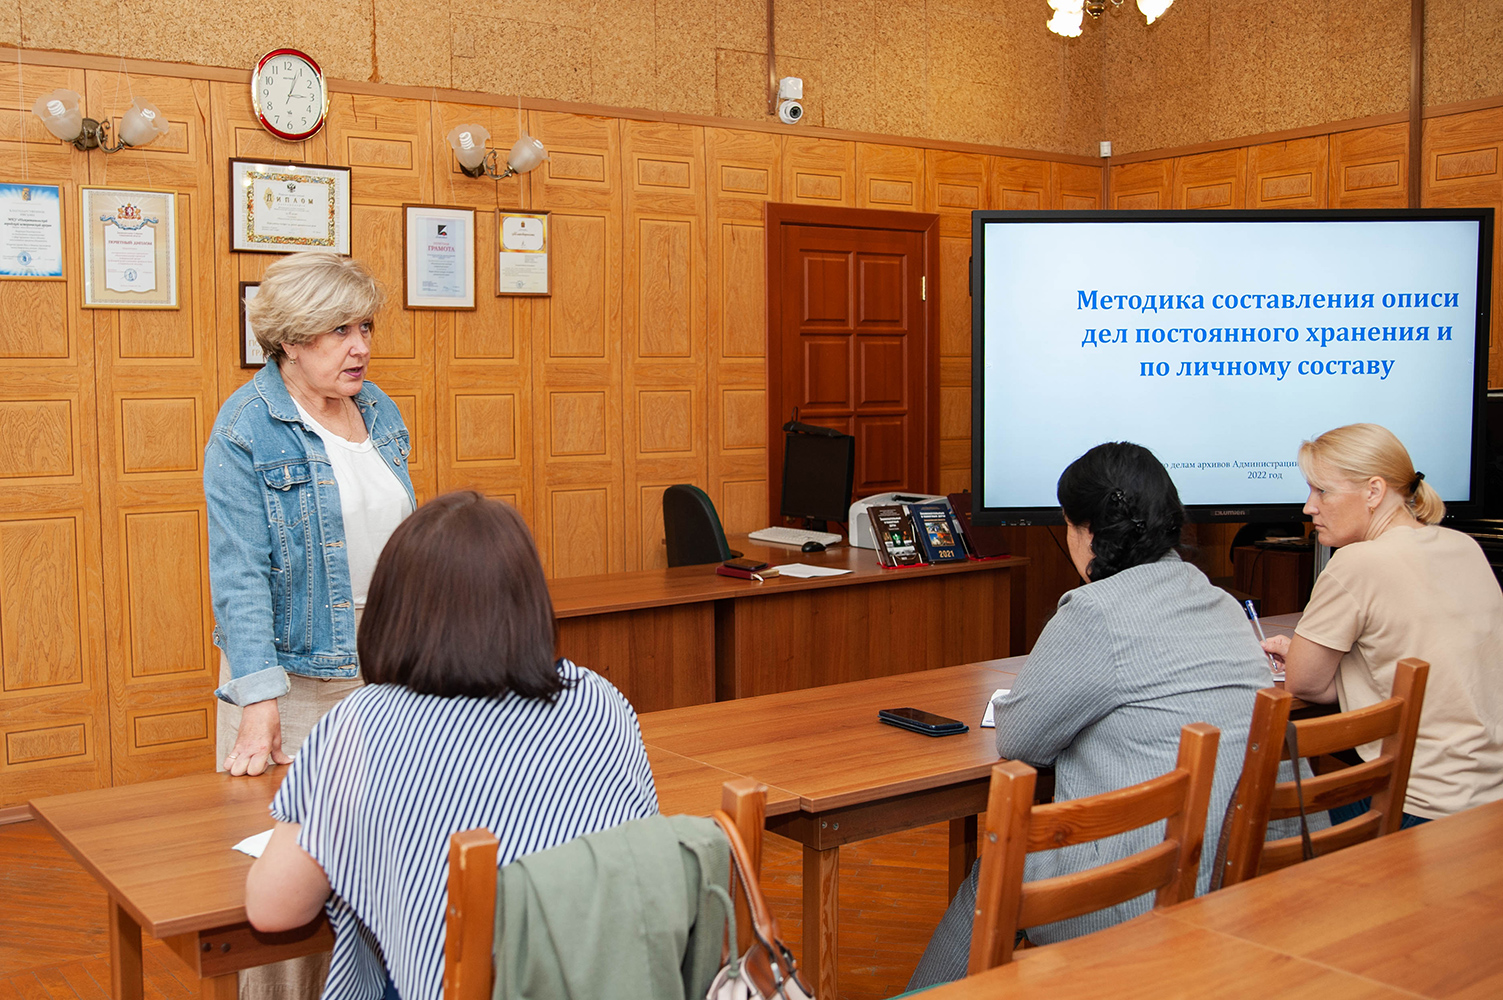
(300, 709)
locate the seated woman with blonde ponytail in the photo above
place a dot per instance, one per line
(1401, 585)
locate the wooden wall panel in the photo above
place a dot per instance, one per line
(956, 185)
(1293, 174)
(1149, 184)
(1074, 186)
(1370, 168)
(578, 475)
(890, 177)
(1019, 184)
(54, 708)
(484, 423)
(158, 392)
(818, 171)
(742, 174)
(387, 144)
(664, 278)
(1462, 169)
(1211, 180)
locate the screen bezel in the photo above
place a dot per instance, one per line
(1203, 513)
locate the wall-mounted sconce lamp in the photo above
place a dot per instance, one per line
(476, 159)
(141, 124)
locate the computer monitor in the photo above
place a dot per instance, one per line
(819, 472)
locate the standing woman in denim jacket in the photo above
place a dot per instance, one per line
(306, 477)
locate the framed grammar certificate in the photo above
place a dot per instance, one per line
(129, 248)
(440, 257)
(31, 231)
(289, 207)
(522, 253)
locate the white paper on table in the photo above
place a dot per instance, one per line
(254, 844)
(804, 571)
(989, 720)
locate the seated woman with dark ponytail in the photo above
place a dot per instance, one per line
(1144, 647)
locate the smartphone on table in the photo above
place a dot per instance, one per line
(920, 721)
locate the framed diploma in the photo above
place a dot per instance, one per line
(129, 248)
(522, 253)
(31, 231)
(251, 355)
(288, 207)
(440, 257)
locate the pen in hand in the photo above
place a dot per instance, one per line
(1252, 614)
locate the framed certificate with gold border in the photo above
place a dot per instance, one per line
(289, 207)
(129, 248)
(522, 254)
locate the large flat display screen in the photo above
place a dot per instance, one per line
(1220, 341)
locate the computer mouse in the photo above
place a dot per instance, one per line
(813, 547)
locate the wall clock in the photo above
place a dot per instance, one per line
(289, 94)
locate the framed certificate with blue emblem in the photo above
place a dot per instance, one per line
(31, 231)
(129, 248)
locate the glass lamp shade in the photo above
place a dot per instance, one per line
(468, 143)
(59, 111)
(1068, 15)
(142, 124)
(1151, 9)
(526, 153)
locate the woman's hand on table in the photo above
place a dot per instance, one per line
(259, 742)
(1277, 646)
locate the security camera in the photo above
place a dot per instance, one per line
(790, 93)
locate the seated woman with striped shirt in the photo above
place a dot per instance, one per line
(466, 720)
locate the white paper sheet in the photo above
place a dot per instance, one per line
(253, 845)
(804, 571)
(989, 720)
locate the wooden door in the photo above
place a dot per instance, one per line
(852, 340)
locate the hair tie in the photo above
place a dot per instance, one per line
(1117, 497)
(1419, 477)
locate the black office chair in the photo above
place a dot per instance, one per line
(692, 528)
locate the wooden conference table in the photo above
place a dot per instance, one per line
(686, 636)
(835, 775)
(1418, 913)
(161, 850)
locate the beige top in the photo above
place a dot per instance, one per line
(1425, 592)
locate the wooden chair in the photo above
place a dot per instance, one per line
(1015, 826)
(1261, 797)
(470, 921)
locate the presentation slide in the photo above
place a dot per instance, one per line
(1220, 346)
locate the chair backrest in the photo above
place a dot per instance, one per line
(1015, 826)
(1261, 797)
(470, 920)
(692, 528)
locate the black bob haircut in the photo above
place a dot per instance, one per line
(459, 607)
(1125, 497)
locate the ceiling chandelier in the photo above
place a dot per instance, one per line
(1069, 14)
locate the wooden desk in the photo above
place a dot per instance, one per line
(162, 851)
(854, 778)
(1414, 914)
(686, 636)
(1280, 578)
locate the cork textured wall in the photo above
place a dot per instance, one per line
(1207, 72)
(953, 70)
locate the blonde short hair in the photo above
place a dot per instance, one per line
(306, 294)
(1360, 451)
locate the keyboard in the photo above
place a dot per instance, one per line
(793, 536)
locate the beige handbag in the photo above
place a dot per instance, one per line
(768, 970)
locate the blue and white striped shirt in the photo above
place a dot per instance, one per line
(389, 774)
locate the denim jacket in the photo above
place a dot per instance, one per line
(281, 582)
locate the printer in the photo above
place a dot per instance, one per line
(860, 526)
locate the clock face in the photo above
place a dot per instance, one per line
(287, 90)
